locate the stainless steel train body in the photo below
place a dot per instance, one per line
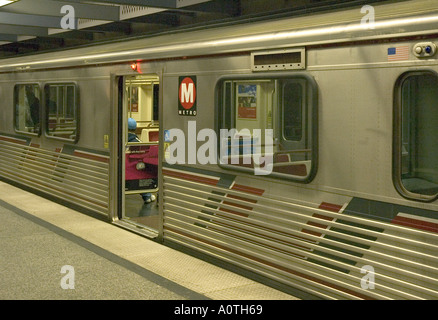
(350, 208)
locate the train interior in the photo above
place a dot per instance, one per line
(140, 196)
(279, 109)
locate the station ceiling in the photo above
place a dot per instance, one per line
(30, 26)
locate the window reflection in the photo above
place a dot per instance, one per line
(62, 111)
(27, 108)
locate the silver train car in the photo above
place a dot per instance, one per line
(302, 150)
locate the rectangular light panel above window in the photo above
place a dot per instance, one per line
(294, 59)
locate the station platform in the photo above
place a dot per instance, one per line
(51, 252)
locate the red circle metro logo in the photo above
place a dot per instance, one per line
(187, 93)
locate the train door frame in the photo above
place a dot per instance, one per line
(119, 127)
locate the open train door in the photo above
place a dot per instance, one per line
(138, 164)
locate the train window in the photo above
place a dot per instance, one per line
(268, 125)
(62, 111)
(27, 108)
(415, 135)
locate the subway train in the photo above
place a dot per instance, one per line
(300, 150)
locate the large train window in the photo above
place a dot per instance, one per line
(27, 108)
(268, 125)
(415, 169)
(62, 111)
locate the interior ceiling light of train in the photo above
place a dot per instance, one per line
(30, 26)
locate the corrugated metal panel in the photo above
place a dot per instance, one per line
(76, 178)
(319, 250)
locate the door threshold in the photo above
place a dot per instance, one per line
(137, 228)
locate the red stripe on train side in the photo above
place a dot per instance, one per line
(91, 156)
(251, 190)
(325, 206)
(190, 177)
(13, 140)
(242, 188)
(415, 223)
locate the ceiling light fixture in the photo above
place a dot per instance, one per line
(6, 2)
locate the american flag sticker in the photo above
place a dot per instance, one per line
(398, 53)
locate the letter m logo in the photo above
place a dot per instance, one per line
(187, 95)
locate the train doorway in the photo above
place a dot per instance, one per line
(139, 148)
